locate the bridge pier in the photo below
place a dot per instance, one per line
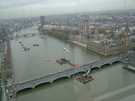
(69, 76)
(33, 87)
(51, 81)
(66, 73)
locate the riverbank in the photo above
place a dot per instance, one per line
(3, 95)
(59, 34)
(66, 37)
(79, 44)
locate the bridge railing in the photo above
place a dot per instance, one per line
(71, 69)
(46, 76)
(67, 72)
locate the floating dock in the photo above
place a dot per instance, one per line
(62, 61)
(84, 79)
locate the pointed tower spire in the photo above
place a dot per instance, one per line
(127, 29)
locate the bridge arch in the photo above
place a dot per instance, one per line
(42, 84)
(78, 73)
(95, 68)
(24, 89)
(106, 65)
(114, 62)
(61, 78)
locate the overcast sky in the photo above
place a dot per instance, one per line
(18, 8)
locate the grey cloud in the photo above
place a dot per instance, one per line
(17, 3)
(44, 7)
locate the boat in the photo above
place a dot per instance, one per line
(26, 49)
(63, 61)
(20, 42)
(35, 45)
(59, 62)
(66, 50)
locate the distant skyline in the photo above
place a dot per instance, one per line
(21, 8)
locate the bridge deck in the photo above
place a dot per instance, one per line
(66, 73)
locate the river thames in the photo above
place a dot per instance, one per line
(112, 83)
